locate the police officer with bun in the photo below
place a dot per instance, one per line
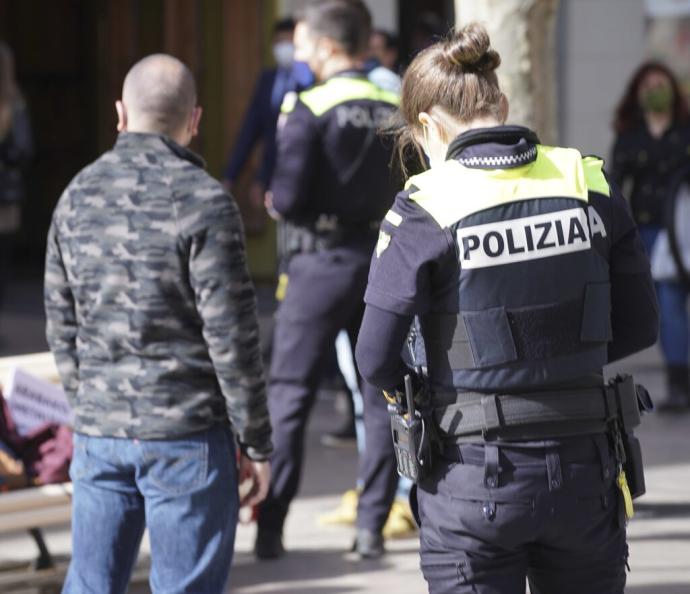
(331, 188)
(524, 274)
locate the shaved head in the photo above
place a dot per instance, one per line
(159, 93)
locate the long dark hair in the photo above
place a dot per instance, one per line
(629, 112)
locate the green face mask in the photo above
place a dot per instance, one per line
(657, 100)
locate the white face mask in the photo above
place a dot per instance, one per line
(284, 53)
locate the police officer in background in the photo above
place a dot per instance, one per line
(526, 274)
(331, 187)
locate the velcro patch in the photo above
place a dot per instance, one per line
(394, 218)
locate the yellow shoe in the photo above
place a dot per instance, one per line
(346, 512)
(400, 523)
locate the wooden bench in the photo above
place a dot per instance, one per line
(38, 507)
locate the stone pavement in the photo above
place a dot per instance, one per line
(317, 563)
(659, 535)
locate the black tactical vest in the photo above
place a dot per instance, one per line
(534, 294)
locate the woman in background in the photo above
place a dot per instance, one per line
(652, 147)
(16, 150)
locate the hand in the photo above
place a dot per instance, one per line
(260, 475)
(268, 203)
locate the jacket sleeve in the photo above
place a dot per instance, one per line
(297, 149)
(412, 247)
(379, 345)
(268, 160)
(61, 326)
(401, 285)
(226, 302)
(250, 131)
(634, 309)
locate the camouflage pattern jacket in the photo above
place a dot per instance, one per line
(151, 313)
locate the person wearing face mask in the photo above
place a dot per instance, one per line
(524, 274)
(331, 188)
(259, 124)
(651, 149)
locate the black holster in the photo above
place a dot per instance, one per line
(631, 400)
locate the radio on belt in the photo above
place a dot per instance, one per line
(411, 439)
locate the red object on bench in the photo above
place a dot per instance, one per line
(46, 452)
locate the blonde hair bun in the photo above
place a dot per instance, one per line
(470, 49)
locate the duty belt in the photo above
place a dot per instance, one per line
(326, 232)
(558, 412)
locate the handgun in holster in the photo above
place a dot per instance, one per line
(631, 400)
(412, 435)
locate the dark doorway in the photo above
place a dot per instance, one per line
(55, 46)
(423, 22)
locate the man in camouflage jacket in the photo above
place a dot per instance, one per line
(152, 321)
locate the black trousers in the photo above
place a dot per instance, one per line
(493, 516)
(324, 296)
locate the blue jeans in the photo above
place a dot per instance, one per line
(674, 332)
(184, 491)
(675, 326)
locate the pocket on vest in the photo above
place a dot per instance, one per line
(596, 313)
(491, 338)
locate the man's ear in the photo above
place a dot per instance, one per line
(324, 48)
(121, 116)
(193, 126)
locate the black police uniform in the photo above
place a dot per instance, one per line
(527, 275)
(332, 189)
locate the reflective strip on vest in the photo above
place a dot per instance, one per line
(451, 192)
(337, 90)
(594, 175)
(522, 239)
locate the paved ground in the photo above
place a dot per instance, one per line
(659, 535)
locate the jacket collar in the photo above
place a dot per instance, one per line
(157, 143)
(349, 73)
(499, 147)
